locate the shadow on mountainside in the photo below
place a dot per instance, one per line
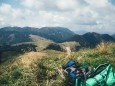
(9, 51)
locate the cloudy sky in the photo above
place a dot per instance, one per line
(77, 15)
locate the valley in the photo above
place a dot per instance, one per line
(33, 56)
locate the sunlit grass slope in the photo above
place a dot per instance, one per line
(42, 68)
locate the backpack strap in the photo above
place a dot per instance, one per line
(97, 81)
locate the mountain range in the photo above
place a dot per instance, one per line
(11, 35)
(91, 39)
(50, 36)
(19, 40)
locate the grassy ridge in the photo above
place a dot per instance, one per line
(41, 68)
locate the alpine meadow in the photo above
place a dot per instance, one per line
(57, 42)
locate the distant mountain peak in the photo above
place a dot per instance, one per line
(113, 36)
(91, 39)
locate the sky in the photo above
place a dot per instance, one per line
(77, 15)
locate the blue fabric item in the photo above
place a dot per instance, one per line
(86, 68)
(72, 75)
(70, 63)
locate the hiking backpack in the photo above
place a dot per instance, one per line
(102, 75)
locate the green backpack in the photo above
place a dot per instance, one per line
(102, 75)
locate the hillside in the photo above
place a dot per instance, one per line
(41, 68)
(91, 39)
(57, 34)
(39, 44)
(12, 35)
(113, 36)
(18, 39)
(26, 39)
(74, 46)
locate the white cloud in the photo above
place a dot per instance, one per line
(5, 8)
(97, 3)
(66, 5)
(32, 4)
(74, 14)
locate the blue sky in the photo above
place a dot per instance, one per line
(77, 15)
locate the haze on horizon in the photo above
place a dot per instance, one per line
(77, 15)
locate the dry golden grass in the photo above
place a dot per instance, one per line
(69, 53)
(25, 61)
(102, 47)
(105, 47)
(27, 64)
(28, 58)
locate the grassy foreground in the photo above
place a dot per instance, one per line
(41, 68)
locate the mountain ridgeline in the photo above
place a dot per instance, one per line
(18, 34)
(14, 35)
(113, 36)
(19, 40)
(91, 39)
